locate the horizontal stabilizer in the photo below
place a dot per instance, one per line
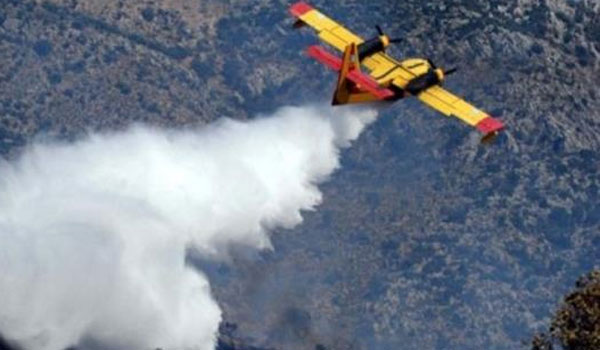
(364, 81)
(323, 56)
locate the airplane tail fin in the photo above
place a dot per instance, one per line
(343, 88)
(353, 86)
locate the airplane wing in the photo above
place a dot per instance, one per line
(452, 105)
(340, 37)
(328, 30)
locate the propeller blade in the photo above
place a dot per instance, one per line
(379, 30)
(450, 71)
(395, 40)
(431, 64)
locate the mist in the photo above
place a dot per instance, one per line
(94, 233)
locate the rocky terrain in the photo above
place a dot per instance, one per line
(426, 239)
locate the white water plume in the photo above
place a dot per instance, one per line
(93, 234)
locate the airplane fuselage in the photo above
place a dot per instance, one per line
(423, 74)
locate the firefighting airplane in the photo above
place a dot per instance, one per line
(387, 78)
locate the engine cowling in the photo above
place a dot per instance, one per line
(425, 81)
(372, 46)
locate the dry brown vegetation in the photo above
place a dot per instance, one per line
(576, 324)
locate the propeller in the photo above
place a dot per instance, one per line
(431, 63)
(446, 72)
(450, 71)
(381, 33)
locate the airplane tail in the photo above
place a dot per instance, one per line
(344, 87)
(353, 86)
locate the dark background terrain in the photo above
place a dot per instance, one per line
(426, 239)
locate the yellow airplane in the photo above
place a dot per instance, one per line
(387, 79)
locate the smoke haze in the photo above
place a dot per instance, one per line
(94, 233)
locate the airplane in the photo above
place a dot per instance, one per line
(387, 79)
